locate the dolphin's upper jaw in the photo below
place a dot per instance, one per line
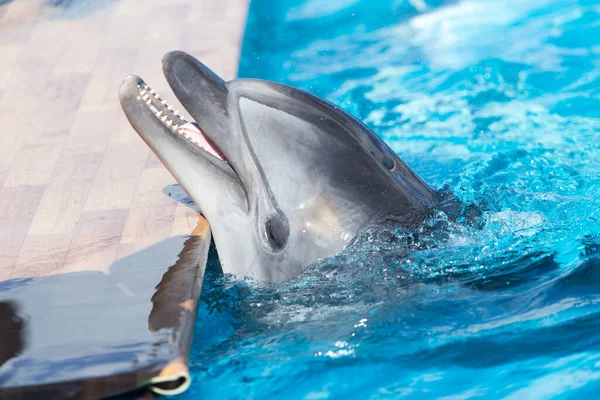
(170, 117)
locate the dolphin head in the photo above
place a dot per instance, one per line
(283, 177)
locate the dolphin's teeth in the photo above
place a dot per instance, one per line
(145, 97)
(176, 112)
(158, 114)
(176, 127)
(148, 101)
(169, 108)
(143, 92)
(164, 102)
(164, 118)
(169, 122)
(147, 87)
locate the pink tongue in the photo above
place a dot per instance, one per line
(195, 135)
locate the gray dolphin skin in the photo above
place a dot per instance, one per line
(284, 178)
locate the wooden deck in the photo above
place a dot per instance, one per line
(78, 188)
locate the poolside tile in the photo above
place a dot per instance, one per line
(42, 255)
(186, 219)
(96, 240)
(118, 177)
(60, 207)
(113, 64)
(18, 204)
(75, 167)
(34, 162)
(17, 207)
(10, 56)
(59, 102)
(148, 225)
(93, 128)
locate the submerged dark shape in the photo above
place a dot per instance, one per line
(11, 331)
(283, 177)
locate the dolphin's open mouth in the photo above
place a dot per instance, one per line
(171, 119)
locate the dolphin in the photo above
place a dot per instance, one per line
(283, 177)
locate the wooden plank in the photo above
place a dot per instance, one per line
(34, 162)
(10, 55)
(185, 219)
(96, 241)
(17, 207)
(4, 169)
(12, 137)
(42, 255)
(113, 64)
(60, 208)
(150, 216)
(59, 103)
(75, 58)
(117, 180)
(76, 167)
(93, 128)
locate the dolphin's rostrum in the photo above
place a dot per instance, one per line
(283, 177)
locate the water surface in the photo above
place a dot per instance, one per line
(497, 100)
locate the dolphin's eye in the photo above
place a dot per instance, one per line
(388, 163)
(385, 159)
(278, 231)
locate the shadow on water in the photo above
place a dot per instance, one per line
(128, 323)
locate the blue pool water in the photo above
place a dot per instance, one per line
(501, 102)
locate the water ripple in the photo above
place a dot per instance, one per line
(500, 102)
